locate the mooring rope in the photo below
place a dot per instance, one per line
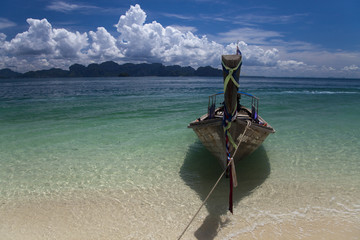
(217, 182)
(248, 124)
(203, 203)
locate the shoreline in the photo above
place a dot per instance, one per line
(146, 215)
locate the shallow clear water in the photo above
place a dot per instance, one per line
(128, 138)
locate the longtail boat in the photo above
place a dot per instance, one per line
(231, 130)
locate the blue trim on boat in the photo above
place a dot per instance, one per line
(248, 94)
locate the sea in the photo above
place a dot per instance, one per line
(112, 158)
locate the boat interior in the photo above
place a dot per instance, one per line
(216, 108)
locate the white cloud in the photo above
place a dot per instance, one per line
(2, 37)
(185, 28)
(256, 56)
(153, 42)
(264, 52)
(103, 46)
(290, 64)
(253, 19)
(248, 35)
(288, 58)
(178, 16)
(135, 15)
(43, 46)
(5, 23)
(37, 40)
(314, 56)
(61, 6)
(42, 39)
(69, 44)
(351, 68)
(2, 40)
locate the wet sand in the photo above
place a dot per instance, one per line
(115, 215)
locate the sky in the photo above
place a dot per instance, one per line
(277, 38)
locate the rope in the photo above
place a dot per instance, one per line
(203, 203)
(217, 182)
(230, 75)
(248, 124)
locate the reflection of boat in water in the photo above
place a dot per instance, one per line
(222, 134)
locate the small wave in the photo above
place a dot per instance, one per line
(319, 92)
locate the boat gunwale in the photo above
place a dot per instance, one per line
(217, 121)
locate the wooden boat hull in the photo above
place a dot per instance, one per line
(211, 134)
(244, 126)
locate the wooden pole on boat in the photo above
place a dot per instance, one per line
(231, 72)
(230, 93)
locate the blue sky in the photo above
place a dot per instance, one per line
(277, 38)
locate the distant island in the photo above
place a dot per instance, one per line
(113, 69)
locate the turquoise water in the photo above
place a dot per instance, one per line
(60, 138)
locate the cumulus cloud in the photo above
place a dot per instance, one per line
(290, 64)
(169, 45)
(69, 44)
(43, 46)
(37, 40)
(256, 56)
(173, 45)
(2, 39)
(351, 68)
(103, 45)
(42, 39)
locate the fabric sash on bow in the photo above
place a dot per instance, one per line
(231, 74)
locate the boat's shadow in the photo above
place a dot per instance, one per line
(200, 172)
